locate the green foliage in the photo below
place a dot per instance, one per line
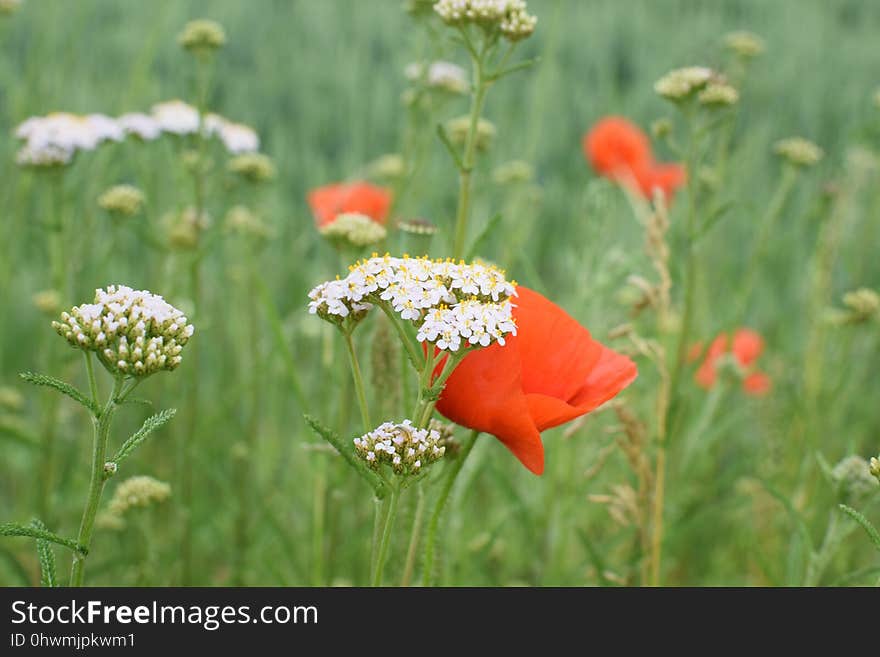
(62, 387)
(38, 532)
(150, 425)
(48, 575)
(347, 452)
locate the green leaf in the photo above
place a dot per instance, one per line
(138, 400)
(14, 529)
(513, 69)
(873, 534)
(150, 425)
(373, 479)
(48, 573)
(441, 132)
(481, 239)
(62, 387)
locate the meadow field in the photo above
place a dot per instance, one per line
(735, 267)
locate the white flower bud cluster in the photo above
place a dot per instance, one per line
(54, 139)
(176, 117)
(798, 151)
(854, 479)
(355, 229)
(138, 492)
(682, 82)
(133, 333)
(254, 167)
(237, 138)
(441, 75)
(509, 16)
(405, 448)
(458, 129)
(718, 94)
(452, 304)
(142, 126)
(122, 200)
(745, 44)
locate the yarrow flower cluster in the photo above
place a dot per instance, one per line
(718, 94)
(202, 36)
(458, 128)
(441, 75)
(508, 16)
(54, 139)
(253, 167)
(355, 229)
(138, 492)
(122, 200)
(133, 333)
(452, 304)
(798, 151)
(745, 44)
(407, 449)
(683, 82)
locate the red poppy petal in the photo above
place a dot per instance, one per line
(557, 353)
(665, 177)
(329, 201)
(485, 393)
(747, 346)
(757, 384)
(614, 143)
(611, 374)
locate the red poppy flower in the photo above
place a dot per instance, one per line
(620, 151)
(551, 372)
(329, 201)
(747, 346)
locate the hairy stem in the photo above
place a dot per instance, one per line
(96, 484)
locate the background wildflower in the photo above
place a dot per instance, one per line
(798, 152)
(122, 200)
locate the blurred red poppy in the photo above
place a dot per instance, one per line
(746, 347)
(620, 151)
(551, 372)
(330, 201)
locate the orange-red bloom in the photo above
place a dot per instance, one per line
(620, 151)
(551, 372)
(746, 347)
(330, 201)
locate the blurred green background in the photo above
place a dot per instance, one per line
(322, 84)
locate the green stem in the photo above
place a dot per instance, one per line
(412, 350)
(819, 560)
(358, 383)
(387, 530)
(440, 504)
(414, 535)
(464, 174)
(96, 485)
(90, 370)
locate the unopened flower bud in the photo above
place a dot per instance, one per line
(854, 479)
(202, 36)
(184, 228)
(717, 95)
(122, 200)
(133, 333)
(744, 44)
(137, 493)
(875, 467)
(682, 83)
(354, 229)
(110, 469)
(661, 128)
(417, 226)
(458, 129)
(47, 301)
(510, 17)
(387, 168)
(253, 167)
(798, 152)
(403, 447)
(240, 220)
